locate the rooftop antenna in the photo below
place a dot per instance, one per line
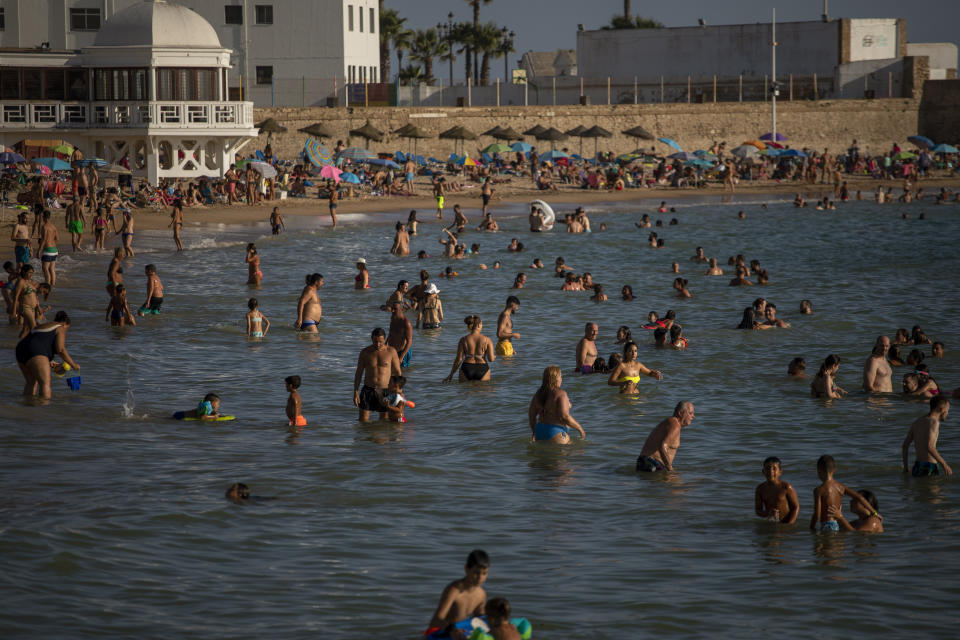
(826, 14)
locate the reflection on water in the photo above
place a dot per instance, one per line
(101, 489)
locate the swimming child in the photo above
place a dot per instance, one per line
(238, 492)
(207, 409)
(868, 520)
(775, 499)
(498, 619)
(394, 400)
(154, 293)
(257, 323)
(463, 598)
(294, 402)
(828, 498)
(118, 310)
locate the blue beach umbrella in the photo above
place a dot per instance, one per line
(349, 177)
(793, 153)
(9, 157)
(54, 164)
(697, 162)
(316, 153)
(670, 143)
(682, 155)
(93, 162)
(921, 141)
(521, 146)
(944, 148)
(381, 162)
(554, 155)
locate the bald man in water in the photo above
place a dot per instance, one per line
(587, 348)
(662, 443)
(877, 372)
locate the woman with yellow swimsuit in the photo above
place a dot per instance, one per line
(627, 374)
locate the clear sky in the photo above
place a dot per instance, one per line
(545, 25)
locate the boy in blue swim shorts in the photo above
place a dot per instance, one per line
(208, 409)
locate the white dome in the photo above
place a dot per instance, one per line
(156, 23)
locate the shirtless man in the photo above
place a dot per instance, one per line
(74, 221)
(459, 220)
(309, 310)
(536, 219)
(587, 348)
(662, 443)
(699, 256)
(773, 322)
(438, 195)
(20, 236)
(581, 217)
(486, 193)
(276, 221)
(409, 168)
(923, 434)
(505, 333)
(374, 366)
(877, 372)
(401, 333)
(47, 248)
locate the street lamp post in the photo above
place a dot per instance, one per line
(506, 44)
(446, 33)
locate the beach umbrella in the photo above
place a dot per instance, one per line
(769, 136)
(9, 157)
(497, 147)
(63, 148)
(793, 153)
(118, 169)
(670, 143)
(317, 130)
(270, 127)
(682, 155)
(554, 155)
(93, 162)
(639, 133)
(330, 172)
(903, 155)
(521, 146)
(534, 131)
(42, 170)
(699, 162)
(350, 178)
(469, 162)
(383, 162)
(509, 134)
(54, 164)
(495, 132)
(755, 143)
(745, 151)
(356, 154)
(458, 133)
(413, 132)
(596, 132)
(770, 151)
(264, 169)
(921, 141)
(551, 134)
(316, 153)
(368, 132)
(944, 148)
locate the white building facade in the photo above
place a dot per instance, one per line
(150, 90)
(310, 48)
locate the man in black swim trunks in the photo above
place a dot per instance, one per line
(374, 366)
(486, 192)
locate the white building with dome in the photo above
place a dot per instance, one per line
(152, 88)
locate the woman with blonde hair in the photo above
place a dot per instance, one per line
(474, 353)
(549, 412)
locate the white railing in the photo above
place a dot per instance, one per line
(17, 114)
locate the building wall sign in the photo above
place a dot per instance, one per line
(873, 39)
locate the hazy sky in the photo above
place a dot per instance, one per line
(544, 25)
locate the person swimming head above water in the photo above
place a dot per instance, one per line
(748, 321)
(623, 334)
(238, 492)
(627, 292)
(797, 368)
(806, 307)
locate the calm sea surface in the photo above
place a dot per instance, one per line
(113, 516)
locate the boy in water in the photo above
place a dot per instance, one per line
(463, 598)
(208, 409)
(118, 311)
(498, 619)
(393, 399)
(828, 498)
(775, 499)
(154, 293)
(294, 402)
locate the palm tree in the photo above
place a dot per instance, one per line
(475, 4)
(487, 43)
(635, 22)
(390, 25)
(402, 42)
(506, 48)
(463, 35)
(410, 74)
(427, 45)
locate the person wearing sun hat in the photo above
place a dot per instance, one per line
(432, 308)
(362, 280)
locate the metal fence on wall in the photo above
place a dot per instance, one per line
(567, 90)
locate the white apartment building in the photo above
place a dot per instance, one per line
(305, 50)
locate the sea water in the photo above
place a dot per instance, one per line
(114, 521)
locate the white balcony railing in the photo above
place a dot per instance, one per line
(19, 114)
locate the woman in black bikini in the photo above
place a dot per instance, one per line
(35, 353)
(474, 353)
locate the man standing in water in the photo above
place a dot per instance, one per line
(923, 434)
(48, 250)
(877, 372)
(662, 443)
(374, 366)
(74, 221)
(536, 219)
(486, 192)
(401, 333)
(505, 332)
(309, 310)
(587, 348)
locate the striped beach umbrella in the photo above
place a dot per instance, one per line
(356, 153)
(316, 153)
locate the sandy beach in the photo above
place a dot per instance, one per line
(517, 190)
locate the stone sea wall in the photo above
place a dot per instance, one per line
(822, 124)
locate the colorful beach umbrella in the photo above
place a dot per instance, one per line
(330, 172)
(670, 143)
(769, 136)
(903, 155)
(63, 148)
(497, 147)
(316, 153)
(745, 151)
(54, 164)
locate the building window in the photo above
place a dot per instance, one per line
(350, 17)
(233, 14)
(84, 19)
(360, 15)
(264, 75)
(372, 22)
(264, 13)
(3, 19)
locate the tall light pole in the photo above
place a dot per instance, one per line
(774, 90)
(446, 33)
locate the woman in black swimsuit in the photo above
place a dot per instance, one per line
(474, 353)
(35, 352)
